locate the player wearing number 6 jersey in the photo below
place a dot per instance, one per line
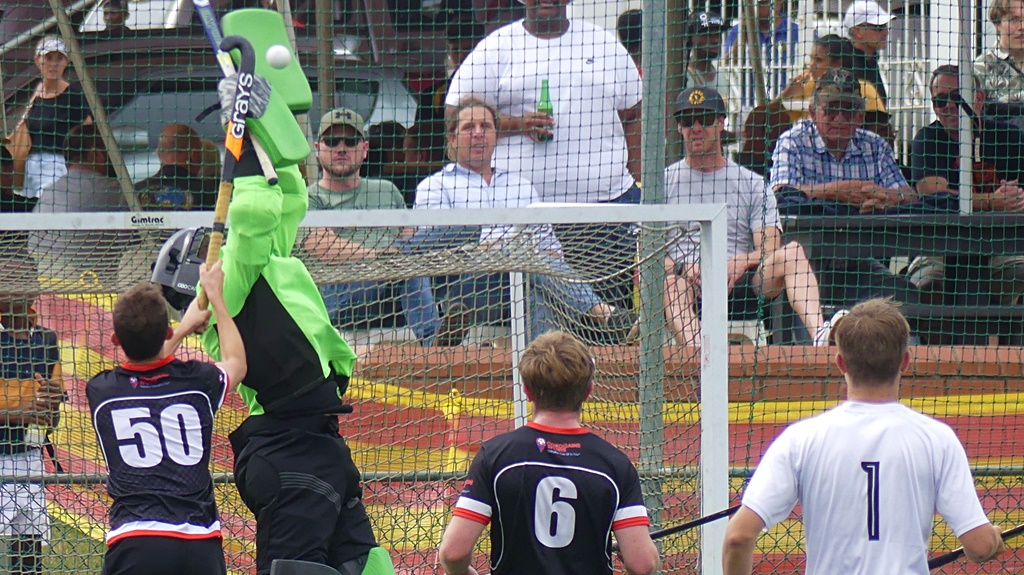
(870, 474)
(153, 417)
(552, 491)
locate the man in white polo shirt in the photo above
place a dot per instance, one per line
(471, 182)
(869, 474)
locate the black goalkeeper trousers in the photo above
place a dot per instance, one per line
(298, 478)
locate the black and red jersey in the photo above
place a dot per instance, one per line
(154, 424)
(553, 497)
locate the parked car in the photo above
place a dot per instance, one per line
(147, 83)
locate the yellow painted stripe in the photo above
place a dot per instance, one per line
(92, 529)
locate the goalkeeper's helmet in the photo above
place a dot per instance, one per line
(177, 266)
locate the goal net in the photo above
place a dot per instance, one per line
(438, 304)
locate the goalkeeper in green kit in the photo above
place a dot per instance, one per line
(292, 468)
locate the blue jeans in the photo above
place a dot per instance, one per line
(616, 244)
(359, 302)
(486, 295)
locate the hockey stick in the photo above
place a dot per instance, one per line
(211, 27)
(940, 560)
(695, 523)
(658, 534)
(233, 141)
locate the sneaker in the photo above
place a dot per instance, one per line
(824, 337)
(454, 326)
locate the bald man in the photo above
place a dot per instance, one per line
(177, 185)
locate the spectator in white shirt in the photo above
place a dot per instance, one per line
(471, 182)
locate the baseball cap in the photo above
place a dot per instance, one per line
(704, 23)
(51, 44)
(838, 84)
(699, 100)
(342, 117)
(865, 12)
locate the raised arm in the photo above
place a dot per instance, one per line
(232, 350)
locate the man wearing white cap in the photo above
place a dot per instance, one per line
(866, 24)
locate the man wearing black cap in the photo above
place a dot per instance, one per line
(760, 267)
(704, 42)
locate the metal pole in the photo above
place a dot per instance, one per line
(967, 89)
(652, 273)
(325, 53)
(714, 390)
(99, 115)
(752, 37)
(520, 325)
(309, 167)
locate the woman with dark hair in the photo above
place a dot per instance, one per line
(830, 51)
(55, 108)
(767, 122)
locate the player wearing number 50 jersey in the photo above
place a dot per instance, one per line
(153, 417)
(553, 492)
(870, 474)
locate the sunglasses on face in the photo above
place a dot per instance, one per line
(848, 109)
(705, 120)
(944, 100)
(349, 141)
(875, 27)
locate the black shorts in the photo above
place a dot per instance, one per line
(744, 301)
(304, 489)
(164, 556)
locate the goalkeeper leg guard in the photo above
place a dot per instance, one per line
(376, 562)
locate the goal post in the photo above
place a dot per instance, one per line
(469, 396)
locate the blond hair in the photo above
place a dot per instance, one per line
(873, 339)
(557, 370)
(998, 9)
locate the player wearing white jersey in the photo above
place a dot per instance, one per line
(869, 474)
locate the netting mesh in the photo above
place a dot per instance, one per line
(436, 314)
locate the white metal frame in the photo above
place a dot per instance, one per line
(714, 354)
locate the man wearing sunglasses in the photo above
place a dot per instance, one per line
(761, 267)
(867, 26)
(831, 158)
(998, 170)
(828, 164)
(341, 150)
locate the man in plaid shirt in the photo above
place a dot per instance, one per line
(830, 157)
(832, 165)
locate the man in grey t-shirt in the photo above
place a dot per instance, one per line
(760, 266)
(341, 150)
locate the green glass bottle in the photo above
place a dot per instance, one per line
(545, 106)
